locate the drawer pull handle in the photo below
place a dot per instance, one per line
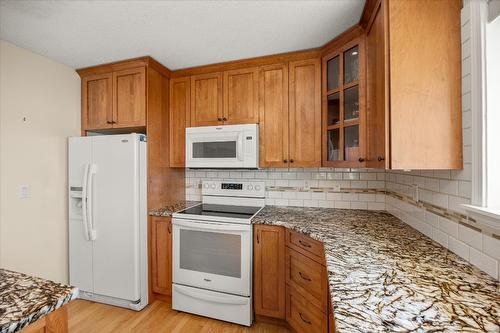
(304, 243)
(304, 320)
(305, 277)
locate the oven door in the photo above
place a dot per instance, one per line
(214, 256)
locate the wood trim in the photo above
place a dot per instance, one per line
(368, 11)
(125, 64)
(249, 62)
(332, 46)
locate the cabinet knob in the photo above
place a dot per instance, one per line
(219, 119)
(285, 161)
(291, 160)
(381, 158)
(225, 119)
(361, 159)
(109, 122)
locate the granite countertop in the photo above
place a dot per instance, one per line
(385, 276)
(168, 210)
(24, 299)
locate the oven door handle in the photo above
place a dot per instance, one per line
(210, 298)
(212, 226)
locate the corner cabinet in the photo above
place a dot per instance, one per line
(344, 112)
(114, 100)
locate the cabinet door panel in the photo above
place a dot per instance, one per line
(269, 271)
(97, 97)
(180, 90)
(305, 113)
(161, 239)
(241, 97)
(376, 92)
(129, 107)
(273, 124)
(206, 99)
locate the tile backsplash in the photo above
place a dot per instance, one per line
(305, 187)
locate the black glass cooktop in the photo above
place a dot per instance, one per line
(239, 212)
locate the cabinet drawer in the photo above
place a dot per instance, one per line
(308, 275)
(302, 315)
(306, 245)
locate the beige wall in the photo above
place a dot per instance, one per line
(33, 231)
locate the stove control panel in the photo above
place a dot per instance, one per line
(234, 188)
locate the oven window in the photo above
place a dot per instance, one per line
(216, 149)
(210, 252)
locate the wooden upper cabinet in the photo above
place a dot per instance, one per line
(376, 89)
(273, 109)
(97, 97)
(425, 84)
(241, 96)
(305, 113)
(129, 102)
(180, 99)
(206, 99)
(161, 255)
(269, 271)
(413, 95)
(344, 112)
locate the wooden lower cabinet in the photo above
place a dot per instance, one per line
(161, 255)
(290, 282)
(303, 315)
(269, 271)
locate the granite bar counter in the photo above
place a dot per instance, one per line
(168, 210)
(385, 276)
(24, 299)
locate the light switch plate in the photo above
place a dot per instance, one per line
(24, 191)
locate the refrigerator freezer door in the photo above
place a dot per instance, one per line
(80, 247)
(115, 216)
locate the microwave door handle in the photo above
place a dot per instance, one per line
(211, 298)
(240, 147)
(84, 201)
(209, 226)
(90, 190)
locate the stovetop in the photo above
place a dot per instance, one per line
(215, 210)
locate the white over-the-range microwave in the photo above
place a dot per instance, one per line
(227, 146)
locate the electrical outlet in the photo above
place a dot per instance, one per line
(336, 188)
(24, 192)
(307, 185)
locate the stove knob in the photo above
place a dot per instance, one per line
(206, 185)
(249, 187)
(212, 186)
(257, 187)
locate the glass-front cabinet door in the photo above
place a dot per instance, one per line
(344, 107)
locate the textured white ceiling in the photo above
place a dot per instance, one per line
(178, 34)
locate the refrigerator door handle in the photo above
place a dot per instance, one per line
(84, 201)
(90, 189)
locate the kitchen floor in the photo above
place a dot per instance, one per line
(85, 316)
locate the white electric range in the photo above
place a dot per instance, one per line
(212, 252)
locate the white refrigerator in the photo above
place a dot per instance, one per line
(108, 219)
